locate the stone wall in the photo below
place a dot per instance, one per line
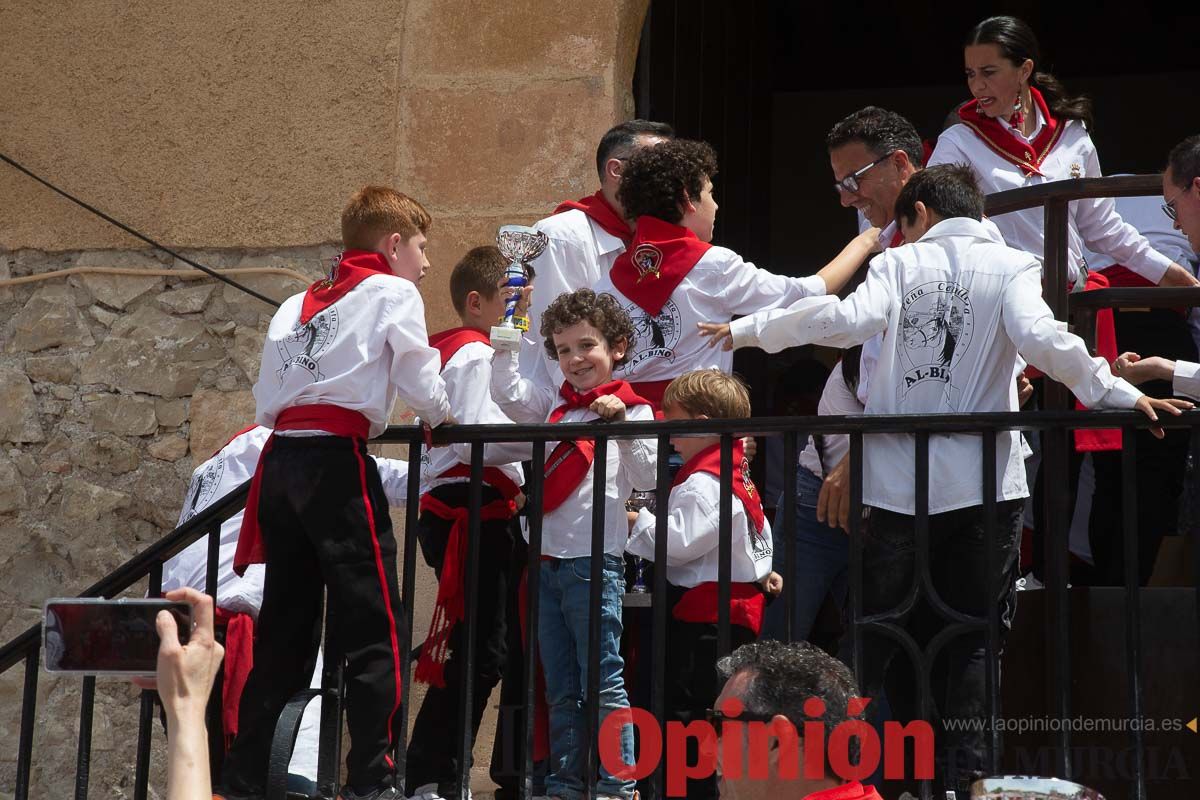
(236, 132)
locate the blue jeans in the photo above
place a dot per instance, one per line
(821, 568)
(563, 642)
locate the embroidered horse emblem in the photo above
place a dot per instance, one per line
(648, 260)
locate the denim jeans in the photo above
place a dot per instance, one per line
(563, 642)
(821, 568)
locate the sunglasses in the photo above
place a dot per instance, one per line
(1169, 206)
(718, 718)
(850, 182)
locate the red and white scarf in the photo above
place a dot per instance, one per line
(746, 600)
(656, 261)
(352, 268)
(570, 461)
(603, 214)
(1004, 143)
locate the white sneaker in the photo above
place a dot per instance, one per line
(1028, 583)
(428, 791)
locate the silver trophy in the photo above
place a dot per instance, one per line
(520, 244)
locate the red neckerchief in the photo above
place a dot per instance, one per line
(1004, 143)
(897, 237)
(709, 460)
(570, 461)
(354, 267)
(746, 600)
(847, 791)
(603, 214)
(449, 342)
(659, 257)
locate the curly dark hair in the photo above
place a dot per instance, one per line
(602, 311)
(656, 178)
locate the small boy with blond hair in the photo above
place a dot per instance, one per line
(589, 335)
(335, 359)
(693, 537)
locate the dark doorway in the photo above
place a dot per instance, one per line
(764, 80)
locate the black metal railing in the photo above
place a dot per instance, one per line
(1054, 423)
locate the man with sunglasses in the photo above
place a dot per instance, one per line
(1181, 189)
(772, 683)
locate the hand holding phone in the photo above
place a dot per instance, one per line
(91, 636)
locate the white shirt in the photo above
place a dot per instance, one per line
(579, 253)
(720, 285)
(631, 465)
(1145, 214)
(1094, 223)
(233, 465)
(958, 307)
(1186, 381)
(836, 400)
(693, 536)
(468, 377)
(359, 353)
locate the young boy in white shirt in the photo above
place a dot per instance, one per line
(958, 308)
(589, 335)
(693, 536)
(335, 359)
(478, 293)
(671, 276)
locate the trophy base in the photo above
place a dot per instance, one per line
(506, 338)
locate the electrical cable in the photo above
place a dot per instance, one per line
(134, 233)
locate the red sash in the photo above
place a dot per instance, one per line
(1094, 439)
(316, 416)
(746, 600)
(239, 660)
(569, 462)
(1002, 141)
(659, 257)
(603, 214)
(451, 594)
(449, 342)
(354, 267)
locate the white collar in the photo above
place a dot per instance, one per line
(958, 226)
(605, 242)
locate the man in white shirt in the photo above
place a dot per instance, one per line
(958, 308)
(586, 236)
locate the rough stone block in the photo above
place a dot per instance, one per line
(117, 291)
(12, 488)
(171, 413)
(135, 366)
(19, 420)
(103, 315)
(168, 448)
(83, 500)
(127, 415)
(216, 417)
(105, 453)
(190, 300)
(51, 369)
(171, 337)
(247, 351)
(50, 319)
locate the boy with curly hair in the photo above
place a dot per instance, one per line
(671, 277)
(589, 335)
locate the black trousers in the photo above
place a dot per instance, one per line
(433, 750)
(1160, 463)
(957, 566)
(693, 684)
(324, 521)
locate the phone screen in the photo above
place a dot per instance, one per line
(107, 636)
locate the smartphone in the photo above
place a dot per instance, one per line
(89, 636)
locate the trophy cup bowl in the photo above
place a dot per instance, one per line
(520, 244)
